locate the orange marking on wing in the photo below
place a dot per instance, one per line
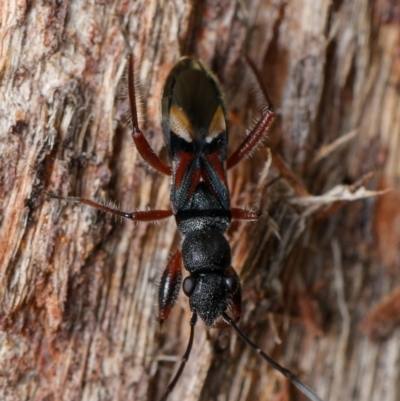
(180, 123)
(217, 124)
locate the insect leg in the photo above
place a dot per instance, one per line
(243, 214)
(140, 140)
(169, 286)
(257, 134)
(287, 373)
(147, 216)
(185, 358)
(252, 140)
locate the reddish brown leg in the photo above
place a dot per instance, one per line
(147, 216)
(243, 214)
(252, 140)
(169, 286)
(258, 133)
(141, 143)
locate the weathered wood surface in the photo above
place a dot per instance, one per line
(78, 289)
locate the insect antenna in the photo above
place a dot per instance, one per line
(185, 358)
(287, 373)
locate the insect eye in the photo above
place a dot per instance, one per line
(189, 284)
(231, 283)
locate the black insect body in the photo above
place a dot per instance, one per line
(195, 126)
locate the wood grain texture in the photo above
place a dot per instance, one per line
(78, 289)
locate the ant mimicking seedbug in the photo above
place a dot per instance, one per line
(194, 122)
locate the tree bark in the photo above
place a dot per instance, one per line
(78, 290)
